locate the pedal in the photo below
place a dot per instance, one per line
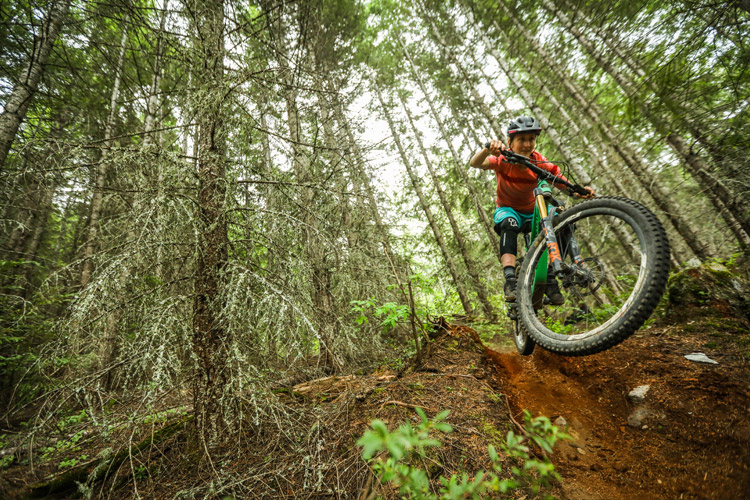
(512, 312)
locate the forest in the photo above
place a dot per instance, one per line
(211, 206)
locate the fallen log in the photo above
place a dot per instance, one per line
(98, 469)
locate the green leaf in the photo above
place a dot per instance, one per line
(421, 414)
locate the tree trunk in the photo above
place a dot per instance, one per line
(478, 101)
(336, 164)
(28, 81)
(364, 179)
(734, 215)
(97, 198)
(709, 184)
(447, 257)
(153, 103)
(32, 248)
(322, 299)
(18, 236)
(459, 164)
(211, 341)
(487, 186)
(470, 265)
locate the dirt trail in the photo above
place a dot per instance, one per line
(694, 438)
(538, 386)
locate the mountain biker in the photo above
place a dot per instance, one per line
(515, 195)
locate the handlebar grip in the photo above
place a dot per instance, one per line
(577, 188)
(503, 151)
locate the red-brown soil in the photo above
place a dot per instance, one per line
(694, 444)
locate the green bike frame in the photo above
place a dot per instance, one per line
(544, 212)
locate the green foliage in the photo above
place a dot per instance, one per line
(390, 314)
(71, 462)
(6, 460)
(394, 455)
(63, 446)
(73, 419)
(26, 323)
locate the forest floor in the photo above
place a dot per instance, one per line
(687, 438)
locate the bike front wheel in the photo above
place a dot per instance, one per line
(610, 291)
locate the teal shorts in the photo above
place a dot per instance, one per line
(502, 213)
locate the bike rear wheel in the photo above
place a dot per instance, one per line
(524, 343)
(612, 291)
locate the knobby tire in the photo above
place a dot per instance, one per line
(524, 343)
(625, 282)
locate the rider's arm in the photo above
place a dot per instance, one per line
(586, 197)
(570, 192)
(550, 167)
(481, 160)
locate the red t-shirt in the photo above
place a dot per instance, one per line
(515, 183)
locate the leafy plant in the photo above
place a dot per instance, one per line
(72, 461)
(389, 313)
(361, 307)
(65, 445)
(6, 461)
(75, 418)
(392, 455)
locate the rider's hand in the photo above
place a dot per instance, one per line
(587, 196)
(495, 146)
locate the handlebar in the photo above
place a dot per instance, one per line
(513, 157)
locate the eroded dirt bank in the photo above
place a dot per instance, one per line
(689, 438)
(686, 436)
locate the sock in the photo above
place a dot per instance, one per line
(510, 272)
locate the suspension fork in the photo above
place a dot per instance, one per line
(553, 249)
(555, 256)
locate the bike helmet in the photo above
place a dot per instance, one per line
(523, 124)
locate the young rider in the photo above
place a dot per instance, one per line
(515, 195)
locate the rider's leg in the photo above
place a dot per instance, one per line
(507, 226)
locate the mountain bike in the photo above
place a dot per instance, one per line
(610, 257)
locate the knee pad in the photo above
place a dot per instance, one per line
(508, 230)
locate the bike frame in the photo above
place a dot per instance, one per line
(542, 221)
(544, 213)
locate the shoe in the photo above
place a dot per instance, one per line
(510, 290)
(552, 291)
